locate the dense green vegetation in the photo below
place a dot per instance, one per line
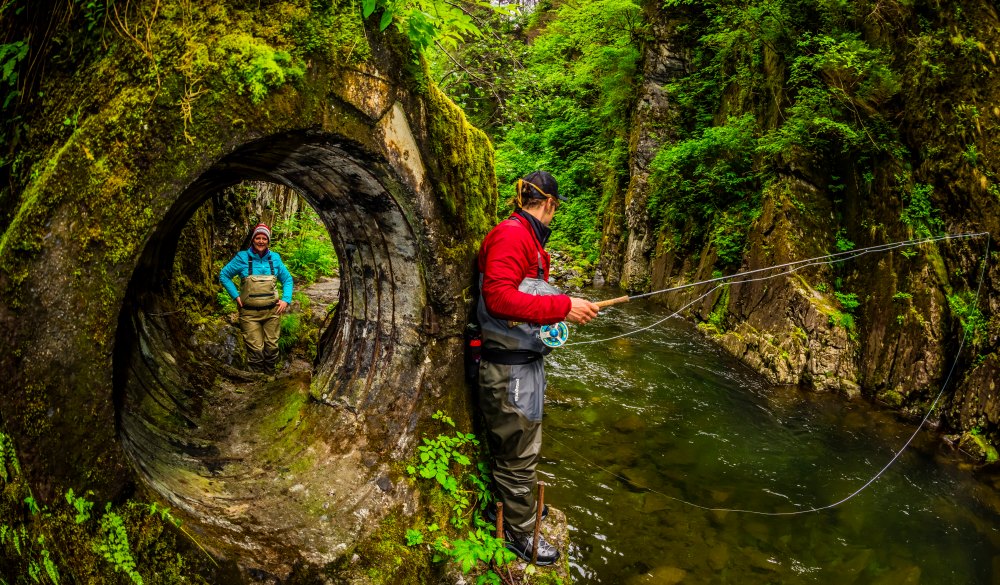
(554, 88)
(771, 86)
(775, 85)
(454, 463)
(73, 541)
(305, 247)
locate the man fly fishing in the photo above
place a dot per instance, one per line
(515, 300)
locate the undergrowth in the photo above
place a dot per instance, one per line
(453, 464)
(67, 541)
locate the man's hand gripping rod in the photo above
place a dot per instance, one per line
(556, 335)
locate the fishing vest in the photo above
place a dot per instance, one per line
(511, 343)
(259, 291)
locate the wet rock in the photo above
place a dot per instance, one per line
(718, 517)
(760, 560)
(758, 530)
(640, 478)
(901, 576)
(718, 557)
(976, 446)
(654, 502)
(664, 575)
(620, 454)
(720, 496)
(849, 571)
(630, 424)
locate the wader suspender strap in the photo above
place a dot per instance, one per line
(538, 245)
(270, 261)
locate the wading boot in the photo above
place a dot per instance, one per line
(519, 543)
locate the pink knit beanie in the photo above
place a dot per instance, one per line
(261, 229)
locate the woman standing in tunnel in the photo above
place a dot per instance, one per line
(260, 304)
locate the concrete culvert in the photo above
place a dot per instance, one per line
(265, 463)
(111, 390)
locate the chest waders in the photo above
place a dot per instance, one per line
(259, 291)
(511, 395)
(260, 326)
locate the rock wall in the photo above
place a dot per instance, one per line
(629, 237)
(907, 331)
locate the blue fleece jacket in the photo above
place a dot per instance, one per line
(239, 266)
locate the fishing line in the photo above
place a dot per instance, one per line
(791, 267)
(896, 455)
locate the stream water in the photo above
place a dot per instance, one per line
(636, 424)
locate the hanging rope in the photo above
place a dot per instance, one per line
(790, 268)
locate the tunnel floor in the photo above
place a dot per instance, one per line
(257, 467)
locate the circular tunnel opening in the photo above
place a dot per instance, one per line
(220, 229)
(275, 469)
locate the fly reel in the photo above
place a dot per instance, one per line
(554, 335)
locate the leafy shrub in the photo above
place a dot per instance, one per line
(974, 324)
(305, 247)
(708, 180)
(919, 213)
(452, 462)
(848, 301)
(291, 327)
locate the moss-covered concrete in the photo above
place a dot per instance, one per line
(171, 101)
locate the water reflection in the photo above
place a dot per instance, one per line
(637, 423)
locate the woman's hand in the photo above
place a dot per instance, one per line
(282, 307)
(581, 311)
(239, 302)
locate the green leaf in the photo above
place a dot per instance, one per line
(367, 7)
(386, 20)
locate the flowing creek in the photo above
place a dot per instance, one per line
(665, 414)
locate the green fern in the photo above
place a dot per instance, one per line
(114, 546)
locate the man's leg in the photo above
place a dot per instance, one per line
(510, 399)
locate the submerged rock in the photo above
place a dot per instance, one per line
(664, 575)
(630, 423)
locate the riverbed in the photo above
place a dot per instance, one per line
(653, 439)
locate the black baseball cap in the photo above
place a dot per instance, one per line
(538, 184)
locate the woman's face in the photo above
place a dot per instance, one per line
(260, 242)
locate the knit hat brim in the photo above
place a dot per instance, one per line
(261, 229)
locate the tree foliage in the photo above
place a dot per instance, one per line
(569, 112)
(775, 85)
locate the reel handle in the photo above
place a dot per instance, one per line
(610, 302)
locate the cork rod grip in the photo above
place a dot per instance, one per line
(610, 302)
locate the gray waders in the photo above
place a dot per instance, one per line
(511, 396)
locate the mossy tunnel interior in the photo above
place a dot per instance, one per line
(265, 465)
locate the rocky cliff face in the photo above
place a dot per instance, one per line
(105, 393)
(629, 236)
(897, 338)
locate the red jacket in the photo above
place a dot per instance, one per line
(509, 254)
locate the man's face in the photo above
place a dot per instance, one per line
(549, 210)
(260, 242)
